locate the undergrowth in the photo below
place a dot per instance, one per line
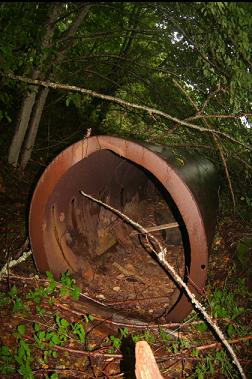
(39, 343)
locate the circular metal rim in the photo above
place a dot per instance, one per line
(165, 174)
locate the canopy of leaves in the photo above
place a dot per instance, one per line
(190, 60)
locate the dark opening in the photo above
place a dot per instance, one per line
(112, 262)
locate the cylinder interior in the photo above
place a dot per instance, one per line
(111, 262)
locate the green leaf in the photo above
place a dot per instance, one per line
(55, 339)
(36, 327)
(91, 318)
(54, 354)
(21, 329)
(202, 327)
(64, 323)
(49, 275)
(231, 330)
(76, 293)
(13, 291)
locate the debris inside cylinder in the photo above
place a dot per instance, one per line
(126, 275)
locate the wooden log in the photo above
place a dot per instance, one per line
(146, 365)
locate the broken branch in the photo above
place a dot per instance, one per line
(161, 258)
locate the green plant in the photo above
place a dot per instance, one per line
(23, 354)
(146, 336)
(223, 304)
(46, 340)
(205, 366)
(79, 330)
(215, 363)
(52, 376)
(60, 333)
(40, 311)
(7, 360)
(18, 305)
(243, 253)
(4, 299)
(69, 287)
(43, 291)
(116, 342)
(165, 337)
(225, 365)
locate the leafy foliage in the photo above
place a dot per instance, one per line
(169, 56)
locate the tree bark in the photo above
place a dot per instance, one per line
(34, 125)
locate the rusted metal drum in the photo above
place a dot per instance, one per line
(69, 231)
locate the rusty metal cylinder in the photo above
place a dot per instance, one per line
(65, 228)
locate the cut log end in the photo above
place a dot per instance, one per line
(146, 366)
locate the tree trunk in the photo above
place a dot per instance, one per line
(29, 97)
(23, 121)
(35, 111)
(33, 127)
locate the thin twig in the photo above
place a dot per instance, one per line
(160, 254)
(215, 138)
(88, 353)
(218, 344)
(238, 115)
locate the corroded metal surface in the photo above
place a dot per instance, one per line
(64, 225)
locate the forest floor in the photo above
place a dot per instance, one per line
(45, 333)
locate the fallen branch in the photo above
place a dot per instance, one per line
(160, 254)
(218, 344)
(14, 262)
(94, 353)
(149, 110)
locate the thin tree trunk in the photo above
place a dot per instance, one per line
(33, 127)
(30, 97)
(23, 122)
(40, 102)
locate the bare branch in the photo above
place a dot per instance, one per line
(14, 262)
(160, 254)
(126, 103)
(216, 141)
(206, 116)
